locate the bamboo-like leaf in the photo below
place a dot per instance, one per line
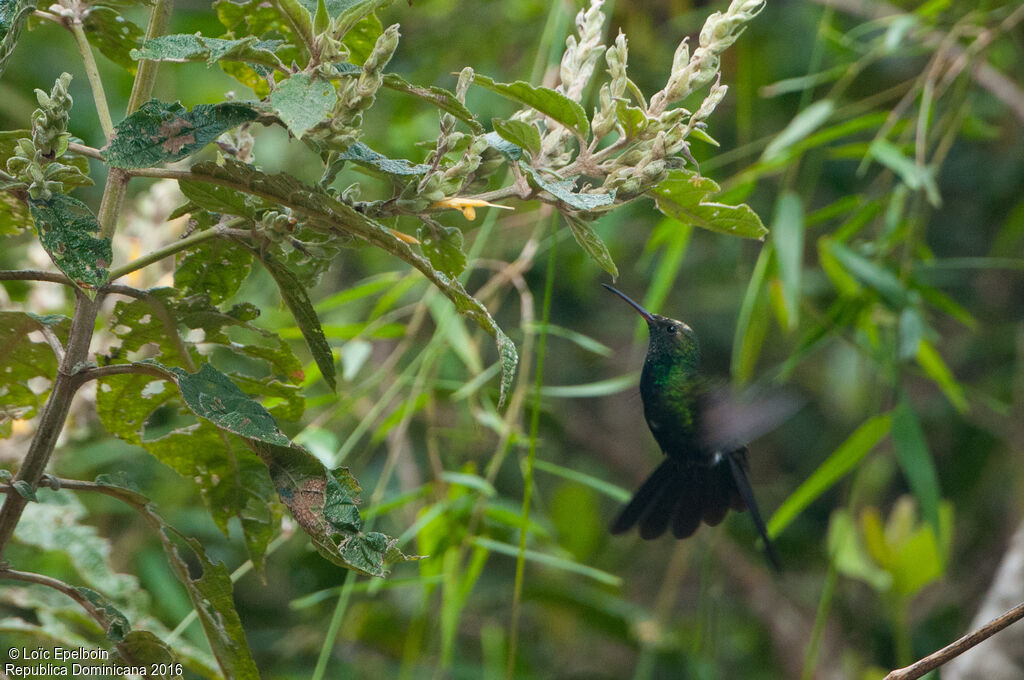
(835, 467)
(801, 126)
(916, 461)
(788, 239)
(935, 366)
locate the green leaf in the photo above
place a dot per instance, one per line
(802, 125)
(438, 96)
(159, 132)
(22, 360)
(186, 47)
(25, 490)
(870, 273)
(146, 648)
(220, 199)
(752, 324)
(850, 556)
(211, 395)
(554, 561)
(933, 364)
(302, 101)
(682, 196)
(553, 104)
(512, 152)
(591, 243)
(117, 626)
(326, 214)
(788, 239)
(563, 191)
(916, 461)
(113, 35)
(59, 525)
(323, 502)
(13, 14)
(443, 247)
(216, 267)
(364, 156)
(913, 175)
(520, 133)
(212, 595)
(66, 227)
(362, 37)
(835, 467)
(297, 300)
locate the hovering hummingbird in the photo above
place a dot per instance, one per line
(702, 434)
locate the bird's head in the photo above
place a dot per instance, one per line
(669, 337)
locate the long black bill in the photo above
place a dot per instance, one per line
(643, 312)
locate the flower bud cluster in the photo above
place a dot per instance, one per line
(34, 165)
(614, 90)
(357, 94)
(690, 72)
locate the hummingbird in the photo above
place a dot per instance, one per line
(700, 431)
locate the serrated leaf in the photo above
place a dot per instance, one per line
(117, 623)
(219, 199)
(302, 101)
(296, 299)
(443, 247)
(362, 155)
(552, 104)
(438, 96)
(13, 14)
(323, 502)
(563, 191)
(682, 196)
(113, 35)
(212, 596)
(591, 243)
(216, 267)
(21, 361)
(511, 151)
(326, 214)
(159, 132)
(187, 47)
(518, 132)
(66, 226)
(211, 395)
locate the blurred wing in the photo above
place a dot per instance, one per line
(729, 421)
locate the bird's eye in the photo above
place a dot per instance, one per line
(672, 329)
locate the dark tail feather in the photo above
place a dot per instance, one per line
(747, 494)
(679, 496)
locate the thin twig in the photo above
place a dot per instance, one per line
(34, 275)
(118, 369)
(949, 652)
(61, 586)
(83, 150)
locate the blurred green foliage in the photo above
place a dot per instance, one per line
(882, 147)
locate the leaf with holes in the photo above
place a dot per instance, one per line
(215, 267)
(66, 227)
(160, 132)
(682, 196)
(443, 247)
(23, 359)
(591, 243)
(113, 35)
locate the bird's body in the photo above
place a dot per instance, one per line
(703, 475)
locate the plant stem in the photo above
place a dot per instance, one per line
(54, 414)
(172, 248)
(34, 275)
(517, 594)
(93, 74)
(145, 77)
